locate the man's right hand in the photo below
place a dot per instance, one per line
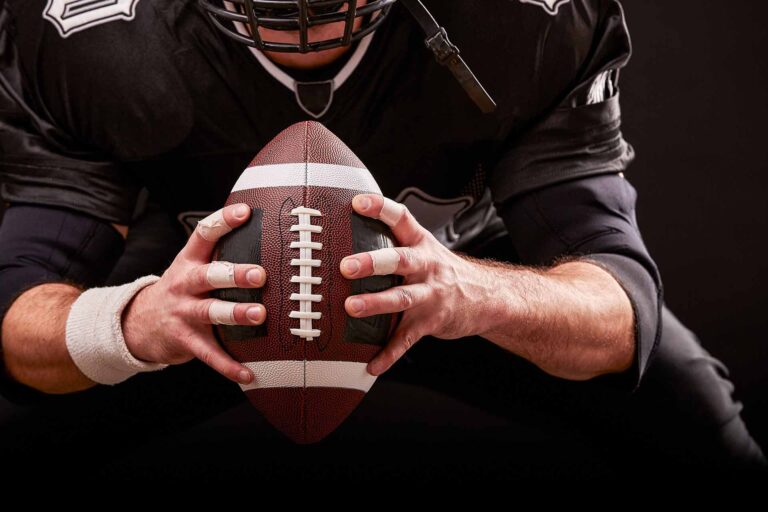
(170, 321)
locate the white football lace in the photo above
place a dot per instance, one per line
(305, 297)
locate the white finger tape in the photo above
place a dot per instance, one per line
(385, 261)
(221, 274)
(213, 226)
(222, 312)
(391, 212)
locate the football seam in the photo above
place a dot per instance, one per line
(304, 392)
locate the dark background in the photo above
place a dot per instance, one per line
(695, 102)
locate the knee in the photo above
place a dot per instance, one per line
(685, 373)
(689, 395)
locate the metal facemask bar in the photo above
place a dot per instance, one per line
(300, 15)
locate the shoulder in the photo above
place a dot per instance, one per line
(568, 20)
(531, 53)
(101, 68)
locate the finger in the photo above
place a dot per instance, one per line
(223, 274)
(404, 225)
(209, 230)
(221, 312)
(393, 300)
(401, 261)
(402, 340)
(214, 356)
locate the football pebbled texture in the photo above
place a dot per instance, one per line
(309, 357)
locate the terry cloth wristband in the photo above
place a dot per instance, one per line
(95, 335)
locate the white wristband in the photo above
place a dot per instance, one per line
(95, 334)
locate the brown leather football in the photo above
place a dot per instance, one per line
(309, 357)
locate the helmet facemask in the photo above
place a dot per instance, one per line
(296, 15)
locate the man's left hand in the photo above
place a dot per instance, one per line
(438, 296)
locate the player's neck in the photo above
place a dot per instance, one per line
(320, 73)
(308, 61)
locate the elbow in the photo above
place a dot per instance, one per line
(615, 352)
(34, 353)
(615, 344)
(615, 355)
(612, 354)
(596, 364)
(612, 349)
(43, 382)
(50, 379)
(616, 358)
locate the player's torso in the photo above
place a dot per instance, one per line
(185, 108)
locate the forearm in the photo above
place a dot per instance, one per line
(573, 320)
(33, 337)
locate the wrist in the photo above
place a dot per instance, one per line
(94, 333)
(494, 305)
(505, 305)
(131, 325)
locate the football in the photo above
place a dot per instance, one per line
(309, 357)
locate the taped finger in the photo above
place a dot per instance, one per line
(391, 212)
(221, 274)
(213, 226)
(385, 261)
(221, 312)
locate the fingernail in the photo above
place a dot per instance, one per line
(351, 266)
(244, 376)
(373, 368)
(241, 211)
(356, 305)
(363, 203)
(254, 314)
(253, 276)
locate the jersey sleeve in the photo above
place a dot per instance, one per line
(50, 245)
(581, 135)
(41, 176)
(42, 164)
(560, 190)
(81, 115)
(593, 219)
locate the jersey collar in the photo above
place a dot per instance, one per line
(314, 98)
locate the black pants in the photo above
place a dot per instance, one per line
(683, 416)
(450, 409)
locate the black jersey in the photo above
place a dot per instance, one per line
(99, 100)
(108, 99)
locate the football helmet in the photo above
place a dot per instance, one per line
(241, 19)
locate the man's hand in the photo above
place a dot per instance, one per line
(436, 296)
(573, 320)
(170, 321)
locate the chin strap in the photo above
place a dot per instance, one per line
(447, 54)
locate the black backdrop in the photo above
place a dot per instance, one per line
(694, 102)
